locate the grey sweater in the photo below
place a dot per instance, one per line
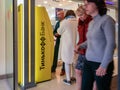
(100, 40)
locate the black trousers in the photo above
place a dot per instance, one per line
(55, 59)
(89, 76)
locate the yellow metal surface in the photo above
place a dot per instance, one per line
(20, 44)
(44, 45)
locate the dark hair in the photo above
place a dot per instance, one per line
(70, 12)
(100, 5)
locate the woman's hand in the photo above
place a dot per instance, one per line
(76, 49)
(56, 35)
(101, 71)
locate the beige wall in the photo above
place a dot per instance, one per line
(2, 37)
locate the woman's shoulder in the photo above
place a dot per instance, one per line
(107, 20)
(69, 20)
(107, 17)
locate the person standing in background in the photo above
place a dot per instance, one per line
(60, 16)
(100, 44)
(68, 32)
(83, 23)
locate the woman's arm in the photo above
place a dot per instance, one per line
(109, 32)
(80, 46)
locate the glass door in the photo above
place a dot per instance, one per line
(9, 41)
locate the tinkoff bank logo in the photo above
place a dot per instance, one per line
(42, 44)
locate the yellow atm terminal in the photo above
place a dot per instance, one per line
(44, 45)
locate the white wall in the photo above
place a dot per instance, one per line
(2, 37)
(112, 13)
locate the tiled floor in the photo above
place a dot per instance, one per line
(4, 85)
(56, 83)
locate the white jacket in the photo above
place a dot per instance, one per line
(69, 33)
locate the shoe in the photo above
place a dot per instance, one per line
(73, 79)
(67, 82)
(62, 73)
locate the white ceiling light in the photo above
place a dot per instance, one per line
(53, 7)
(45, 2)
(69, 1)
(39, 5)
(60, 4)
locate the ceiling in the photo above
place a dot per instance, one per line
(67, 4)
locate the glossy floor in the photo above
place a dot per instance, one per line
(56, 83)
(4, 85)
